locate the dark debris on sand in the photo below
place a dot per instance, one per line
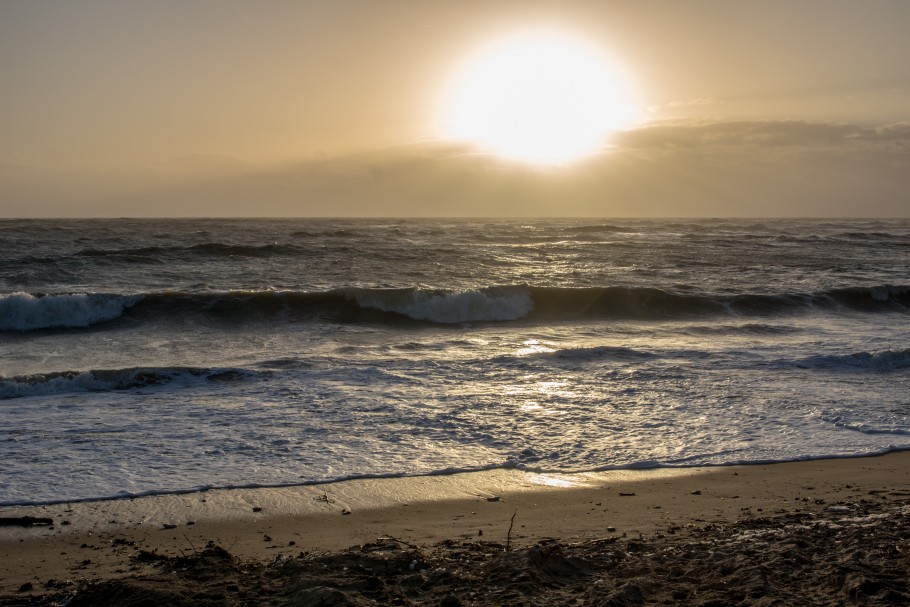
(856, 555)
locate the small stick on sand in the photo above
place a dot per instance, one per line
(509, 533)
(191, 544)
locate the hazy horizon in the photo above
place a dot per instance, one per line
(316, 109)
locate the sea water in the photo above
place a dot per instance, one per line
(154, 356)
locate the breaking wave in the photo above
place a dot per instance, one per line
(493, 304)
(105, 380)
(25, 312)
(884, 360)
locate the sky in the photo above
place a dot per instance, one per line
(769, 108)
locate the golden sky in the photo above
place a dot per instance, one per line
(315, 108)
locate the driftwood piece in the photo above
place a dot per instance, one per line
(24, 521)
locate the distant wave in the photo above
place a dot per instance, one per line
(864, 236)
(883, 360)
(106, 380)
(210, 249)
(603, 228)
(338, 233)
(25, 312)
(164, 254)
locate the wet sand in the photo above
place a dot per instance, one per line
(573, 537)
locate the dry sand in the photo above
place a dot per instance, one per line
(819, 532)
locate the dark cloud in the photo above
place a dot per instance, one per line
(898, 132)
(759, 133)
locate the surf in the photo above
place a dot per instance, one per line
(494, 304)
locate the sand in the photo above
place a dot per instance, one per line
(818, 532)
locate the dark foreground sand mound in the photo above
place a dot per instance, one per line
(833, 555)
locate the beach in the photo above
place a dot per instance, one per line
(445, 412)
(498, 518)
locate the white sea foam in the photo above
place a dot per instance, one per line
(26, 312)
(452, 307)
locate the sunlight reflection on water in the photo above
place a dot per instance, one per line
(552, 480)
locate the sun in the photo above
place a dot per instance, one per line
(541, 97)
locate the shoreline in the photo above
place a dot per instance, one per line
(657, 468)
(95, 541)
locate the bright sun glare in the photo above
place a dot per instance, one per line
(538, 97)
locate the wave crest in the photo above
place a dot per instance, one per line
(26, 312)
(883, 360)
(106, 380)
(493, 304)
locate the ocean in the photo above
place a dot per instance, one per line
(156, 356)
